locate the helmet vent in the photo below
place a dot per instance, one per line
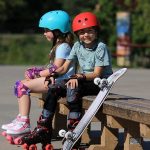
(79, 21)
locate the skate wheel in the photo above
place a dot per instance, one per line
(10, 139)
(33, 147)
(62, 133)
(18, 141)
(4, 133)
(25, 146)
(49, 147)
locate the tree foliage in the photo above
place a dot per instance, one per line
(22, 16)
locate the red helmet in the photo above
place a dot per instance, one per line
(84, 20)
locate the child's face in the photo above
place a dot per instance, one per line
(48, 34)
(87, 35)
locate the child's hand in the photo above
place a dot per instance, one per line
(48, 81)
(72, 83)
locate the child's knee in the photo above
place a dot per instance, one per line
(72, 95)
(20, 89)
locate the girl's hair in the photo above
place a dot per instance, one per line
(60, 38)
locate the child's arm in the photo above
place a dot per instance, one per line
(73, 82)
(64, 68)
(57, 64)
(97, 73)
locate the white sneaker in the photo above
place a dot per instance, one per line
(22, 126)
(10, 125)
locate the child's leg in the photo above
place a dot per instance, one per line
(35, 85)
(43, 132)
(74, 101)
(24, 105)
(22, 91)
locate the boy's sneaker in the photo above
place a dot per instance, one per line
(10, 125)
(22, 126)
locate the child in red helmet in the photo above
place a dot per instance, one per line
(94, 61)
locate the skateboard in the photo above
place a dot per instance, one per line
(71, 137)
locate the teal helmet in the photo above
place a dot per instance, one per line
(56, 19)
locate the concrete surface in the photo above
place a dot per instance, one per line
(136, 83)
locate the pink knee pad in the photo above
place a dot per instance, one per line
(20, 89)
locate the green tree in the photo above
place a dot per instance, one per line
(23, 15)
(106, 12)
(76, 6)
(141, 22)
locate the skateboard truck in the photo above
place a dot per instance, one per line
(101, 82)
(69, 135)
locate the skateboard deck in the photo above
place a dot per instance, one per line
(71, 137)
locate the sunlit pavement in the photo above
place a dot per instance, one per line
(136, 83)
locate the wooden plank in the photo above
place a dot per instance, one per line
(132, 104)
(128, 112)
(37, 95)
(63, 109)
(109, 140)
(115, 122)
(145, 130)
(41, 96)
(130, 144)
(133, 139)
(109, 137)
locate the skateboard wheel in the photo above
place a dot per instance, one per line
(4, 133)
(97, 81)
(49, 147)
(33, 147)
(69, 135)
(62, 133)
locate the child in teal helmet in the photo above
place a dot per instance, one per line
(56, 25)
